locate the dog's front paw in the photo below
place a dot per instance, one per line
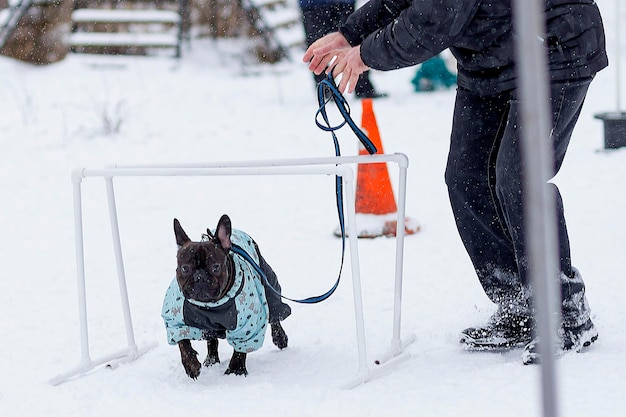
(211, 360)
(212, 356)
(192, 367)
(189, 358)
(237, 371)
(237, 364)
(279, 337)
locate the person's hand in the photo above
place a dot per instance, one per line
(321, 52)
(350, 66)
(333, 53)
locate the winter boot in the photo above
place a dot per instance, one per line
(503, 331)
(572, 339)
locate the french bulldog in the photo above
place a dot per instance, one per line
(218, 294)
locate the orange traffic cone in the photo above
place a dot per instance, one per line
(376, 209)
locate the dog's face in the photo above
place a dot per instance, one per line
(205, 271)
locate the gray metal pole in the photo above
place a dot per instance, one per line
(537, 153)
(618, 65)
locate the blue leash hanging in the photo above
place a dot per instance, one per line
(310, 300)
(327, 84)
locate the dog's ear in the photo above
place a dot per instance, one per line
(181, 236)
(223, 231)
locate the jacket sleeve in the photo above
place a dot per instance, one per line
(172, 314)
(370, 17)
(400, 33)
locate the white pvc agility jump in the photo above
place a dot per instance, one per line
(310, 166)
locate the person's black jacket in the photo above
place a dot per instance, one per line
(400, 33)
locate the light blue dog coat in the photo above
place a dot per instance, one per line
(242, 313)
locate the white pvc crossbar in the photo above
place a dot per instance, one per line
(309, 166)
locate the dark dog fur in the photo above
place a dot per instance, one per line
(205, 272)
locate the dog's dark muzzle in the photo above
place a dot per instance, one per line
(204, 287)
(201, 276)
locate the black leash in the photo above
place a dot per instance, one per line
(327, 84)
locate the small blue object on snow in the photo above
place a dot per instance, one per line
(433, 75)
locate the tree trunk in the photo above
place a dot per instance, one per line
(40, 37)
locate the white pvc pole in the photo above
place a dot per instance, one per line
(398, 158)
(356, 273)
(119, 262)
(400, 230)
(85, 359)
(537, 154)
(85, 363)
(201, 172)
(397, 344)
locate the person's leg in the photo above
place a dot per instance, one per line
(364, 87)
(493, 229)
(470, 176)
(477, 130)
(566, 101)
(321, 21)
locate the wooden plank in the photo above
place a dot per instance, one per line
(159, 40)
(125, 16)
(259, 4)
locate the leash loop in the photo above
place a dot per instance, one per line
(327, 84)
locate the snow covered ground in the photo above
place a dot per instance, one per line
(87, 112)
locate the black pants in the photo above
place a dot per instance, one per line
(326, 19)
(484, 179)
